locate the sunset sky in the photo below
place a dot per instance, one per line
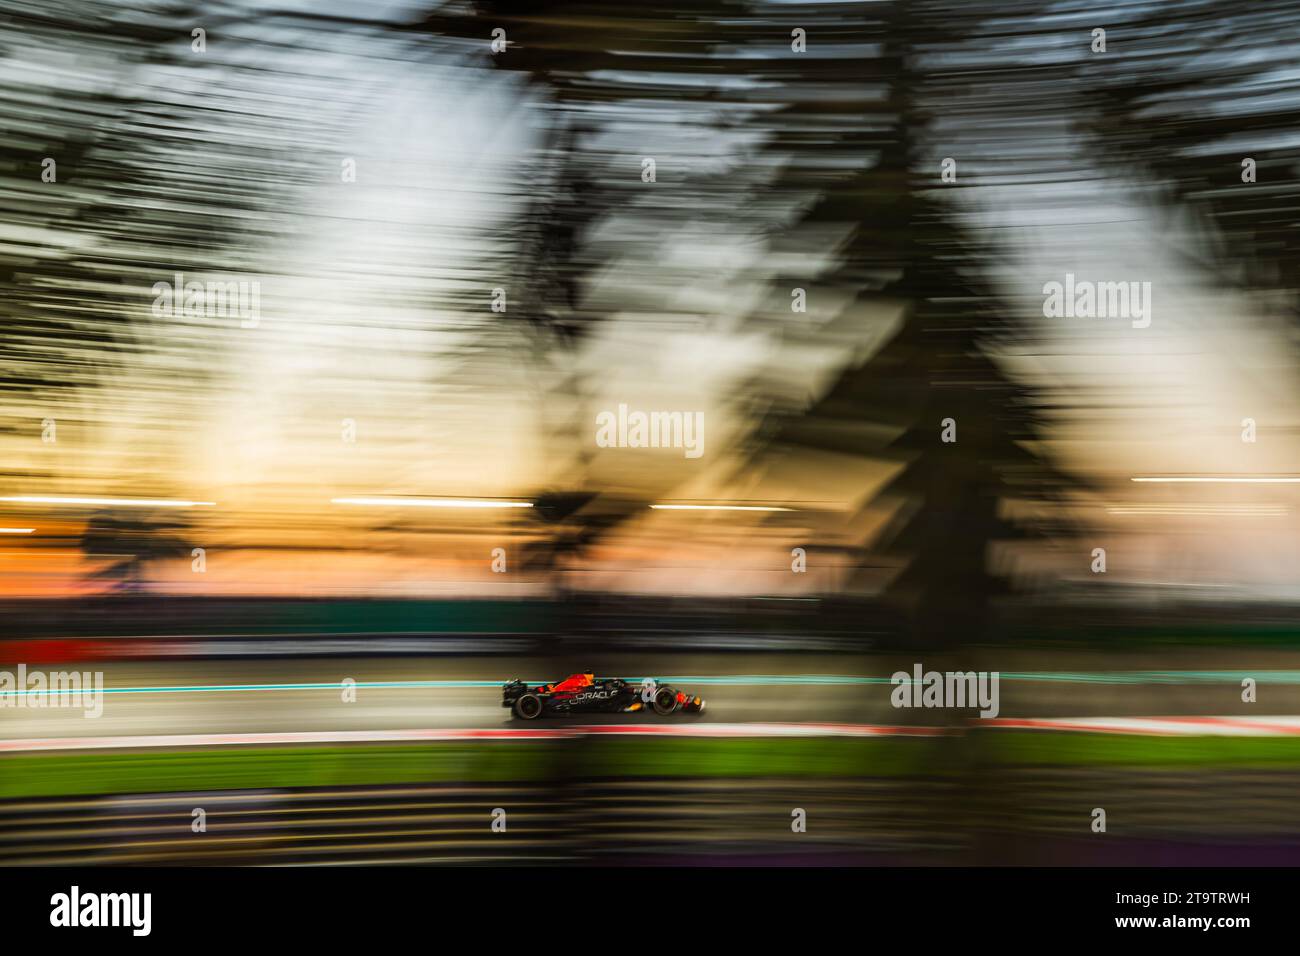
(375, 308)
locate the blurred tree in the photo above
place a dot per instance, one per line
(909, 251)
(130, 543)
(1203, 88)
(595, 65)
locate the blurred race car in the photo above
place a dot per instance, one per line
(583, 694)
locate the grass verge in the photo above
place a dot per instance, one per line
(203, 769)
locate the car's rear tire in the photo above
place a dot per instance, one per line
(528, 707)
(665, 701)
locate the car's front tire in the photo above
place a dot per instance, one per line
(528, 707)
(665, 701)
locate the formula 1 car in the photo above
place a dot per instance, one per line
(584, 694)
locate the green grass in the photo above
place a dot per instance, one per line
(1045, 748)
(71, 774)
(67, 774)
(778, 757)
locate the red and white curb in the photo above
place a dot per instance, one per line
(1151, 726)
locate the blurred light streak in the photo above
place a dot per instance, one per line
(431, 502)
(1225, 510)
(119, 502)
(719, 508)
(1222, 480)
(16, 530)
